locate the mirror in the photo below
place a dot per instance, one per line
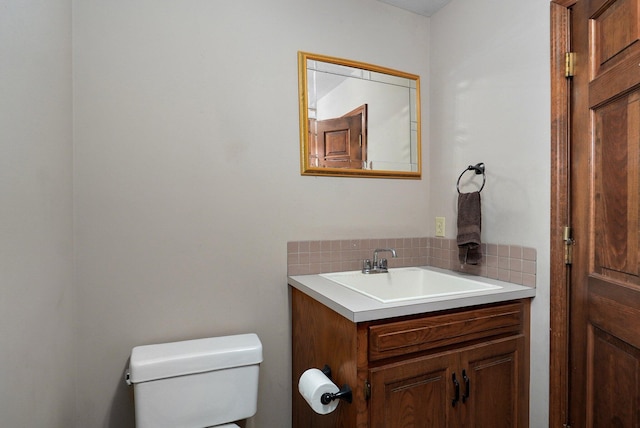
(358, 119)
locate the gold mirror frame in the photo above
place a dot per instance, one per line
(359, 115)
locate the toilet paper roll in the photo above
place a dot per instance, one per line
(312, 384)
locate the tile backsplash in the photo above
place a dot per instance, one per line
(510, 263)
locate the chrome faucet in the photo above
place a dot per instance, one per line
(379, 265)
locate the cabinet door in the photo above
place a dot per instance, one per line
(494, 390)
(415, 393)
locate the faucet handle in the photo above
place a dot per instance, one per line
(366, 266)
(382, 264)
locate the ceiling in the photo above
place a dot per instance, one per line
(421, 7)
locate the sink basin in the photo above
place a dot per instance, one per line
(409, 283)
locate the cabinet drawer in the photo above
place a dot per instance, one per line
(404, 337)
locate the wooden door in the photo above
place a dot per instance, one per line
(604, 203)
(493, 384)
(341, 142)
(415, 393)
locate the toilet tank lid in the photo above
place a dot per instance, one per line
(153, 362)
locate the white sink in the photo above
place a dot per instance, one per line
(409, 283)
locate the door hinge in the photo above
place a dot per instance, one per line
(367, 390)
(569, 64)
(567, 237)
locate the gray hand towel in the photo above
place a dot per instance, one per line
(469, 224)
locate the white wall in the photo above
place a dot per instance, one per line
(187, 182)
(490, 103)
(37, 357)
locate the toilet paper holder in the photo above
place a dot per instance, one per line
(344, 393)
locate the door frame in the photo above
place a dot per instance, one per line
(559, 369)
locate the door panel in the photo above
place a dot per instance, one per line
(605, 214)
(616, 187)
(413, 394)
(613, 390)
(340, 142)
(615, 27)
(405, 400)
(494, 371)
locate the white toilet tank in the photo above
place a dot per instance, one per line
(196, 383)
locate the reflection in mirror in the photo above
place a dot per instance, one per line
(358, 119)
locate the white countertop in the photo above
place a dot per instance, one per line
(357, 307)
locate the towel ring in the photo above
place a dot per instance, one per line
(479, 169)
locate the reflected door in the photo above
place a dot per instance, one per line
(341, 142)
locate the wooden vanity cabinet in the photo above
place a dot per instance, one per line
(458, 368)
(472, 387)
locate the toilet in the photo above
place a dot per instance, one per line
(210, 382)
